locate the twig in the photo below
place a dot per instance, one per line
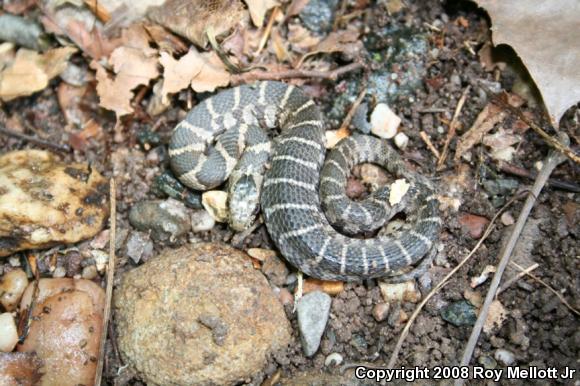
(547, 137)
(425, 137)
(433, 110)
(552, 160)
(110, 278)
(288, 74)
(267, 31)
(354, 107)
(442, 284)
(37, 141)
(517, 277)
(452, 128)
(558, 294)
(521, 172)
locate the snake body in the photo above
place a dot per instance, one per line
(222, 137)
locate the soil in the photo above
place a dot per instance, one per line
(540, 330)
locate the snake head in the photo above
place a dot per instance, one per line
(244, 200)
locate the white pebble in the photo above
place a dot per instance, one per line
(334, 359)
(215, 202)
(384, 122)
(505, 357)
(12, 286)
(101, 259)
(397, 292)
(201, 221)
(398, 190)
(507, 219)
(8, 332)
(89, 272)
(401, 140)
(59, 272)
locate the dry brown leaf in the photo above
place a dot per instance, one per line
(192, 18)
(301, 38)
(30, 72)
(258, 9)
(203, 72)
(484, 123)
(545, 35)
(341, 41)
(133, 67)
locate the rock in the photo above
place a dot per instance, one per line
(318, 15)
(401, 140)
(8, 332)
(373, 175)
(73, 261)
(384, 121)
(397, 292)
(275, 270)
(22, 369)
(285, 297)
(12, 286)
(216, 204)
(330, 287)
(473, 224)
(261, 254)
(201, 221)
(381, 311)
(199, 315)
(65, 329)
(166, 220)
(505, 357)
(90, 272)
(507, 219)
(334, 360)
(487, 362)
(101, 259)
(334, 136)
(460, 313)
(313, 310)
(45, 202)
(138, 246)
(59, 272)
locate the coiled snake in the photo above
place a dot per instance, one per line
(222, 137)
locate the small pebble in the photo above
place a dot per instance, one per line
(275, 270)
(14, 261)
(401, 140)
(505, 357)
(373, 175)
(59, 272)
(473, 224)
(313, 311)
(138, 246)
(334, 360)
(215, 202)
(460, 313)
(166, 220)
(261, 254)
(12, 286)
(381, 311)
(101, 259)
(384, 122)
(285, 297)
(487, 362)
(397, 292)
(89, 272)
(507, 219)
(334, 136)
(8, 332)
(201, 221)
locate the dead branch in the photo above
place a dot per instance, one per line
(110, 278)
(552, 160)
(36, 141)
(346, 122)
(521, 172)
(425, 137)
(452, 128)
(253, 76)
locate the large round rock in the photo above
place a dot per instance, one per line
(199, 315)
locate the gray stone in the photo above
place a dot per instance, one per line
(460, 313)
(313, 310)
(138, 246)
(318, 15)
(166, 220)
(201, 221)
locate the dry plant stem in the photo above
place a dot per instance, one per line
(425, 137)
(36, 141)
(511, 281)
(442, 284)
(249, 77)
(110, 278)
(552, 160)
(267, 31)
(521, 172)
(452, 128)
(558, 294)
(354, 107)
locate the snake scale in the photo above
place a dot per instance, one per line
(223, 137)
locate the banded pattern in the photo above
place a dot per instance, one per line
(225, 128)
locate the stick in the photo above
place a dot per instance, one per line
(425, 137)
(517, 277)
(267, 31)
(37, 141)
(354, 107)
(442, 284)
(452, 128)
(110, 278)
(288, 74)
(521, 172)
(552, 160)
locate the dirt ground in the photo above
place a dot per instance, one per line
(540, 330)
